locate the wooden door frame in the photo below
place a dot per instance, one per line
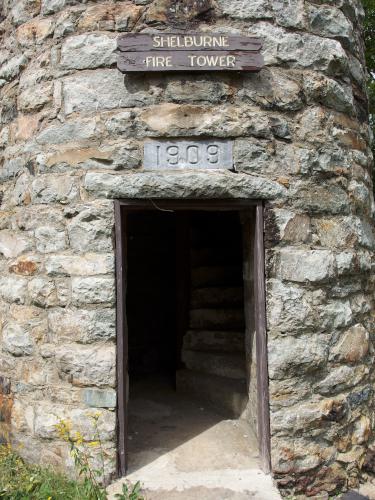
(125, 206)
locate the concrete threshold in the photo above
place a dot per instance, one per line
(181, 449)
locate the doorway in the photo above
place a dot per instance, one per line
(191, 330)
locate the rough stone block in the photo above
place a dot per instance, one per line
(300, 50)
(13, 244)
(88, 51)
(342, 378)
(304, 266)
(49, 239)
(34, 98)
(93, 290)
(317, 199)
(87, 365)
(289, 13)
(23, 10)
(52, 6)
(85, 326)
(91, 229)
(330, 22)
(290, 356)
(73, 131)
(11, 168)
(352, 345)
(16, 340)
(13, 67)
(99, 398)
(75, 265)
(242, 9)
(13, 289)
(34, 32)
(54, 189)
(182, 185)
(196, 89)
(102, 89)
(42, 292)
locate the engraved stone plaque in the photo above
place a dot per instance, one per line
(191, 154)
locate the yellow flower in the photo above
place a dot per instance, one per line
(78, 438)
(92, 444)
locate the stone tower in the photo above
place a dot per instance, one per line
(72, 129)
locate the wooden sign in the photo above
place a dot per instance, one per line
(180, 154)
(143, 52)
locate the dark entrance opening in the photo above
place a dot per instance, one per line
(190, 322)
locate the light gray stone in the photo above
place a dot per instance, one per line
(84, 326)
(93, 290)
(11, 168)
(290, 355)
(318, 199)
(182, 185)
(330, 22)
(328, 92)
(49, 239)
(52, 6)
(289, 308)
(300, 50)
(73, 131)
(13, 289)
(253, 156)
(77, 265)
(335, 314)
(13, 67)
(23, 10)
(88, 51)
(87, 365)
(352, 346)
(303, 265)
(50, 188)
(196, 89)
(91, 229)
(102, 89)
(43, 292)
(120, 124)
(99, 398)
(16, 340)
(13, 244)
(345, 262)
(34, 98)
(341, 378)
(289, 13)
(242, 9)
(48, 416)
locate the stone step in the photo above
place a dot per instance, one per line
(209, 340)
(216, 276)
(216, 296)
(230, 365)
(227, 395)
(217, 319)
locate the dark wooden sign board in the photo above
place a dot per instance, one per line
(143, 52)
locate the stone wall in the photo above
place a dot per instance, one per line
(72, 130)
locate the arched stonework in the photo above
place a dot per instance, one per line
(71, 138)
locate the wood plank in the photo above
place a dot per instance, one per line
(264, 433)
(188, 204)
(143, 42)
(122, 342)
(185, 61)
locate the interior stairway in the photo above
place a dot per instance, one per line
(214, 346)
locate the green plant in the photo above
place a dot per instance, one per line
(20, 481)
(91, 478)
(130, 492)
